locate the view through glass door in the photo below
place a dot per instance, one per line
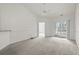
(63, 29)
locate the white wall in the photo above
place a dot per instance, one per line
(17, 18)
(4, 39)
(77, 24)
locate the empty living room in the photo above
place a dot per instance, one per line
(39, 28)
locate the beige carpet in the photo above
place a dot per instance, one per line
(42, 46)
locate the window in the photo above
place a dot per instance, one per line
(61, 28)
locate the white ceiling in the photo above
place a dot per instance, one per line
(51, 10)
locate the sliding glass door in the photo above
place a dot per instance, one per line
(62, 28)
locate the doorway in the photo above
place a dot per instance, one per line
(41, 29)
